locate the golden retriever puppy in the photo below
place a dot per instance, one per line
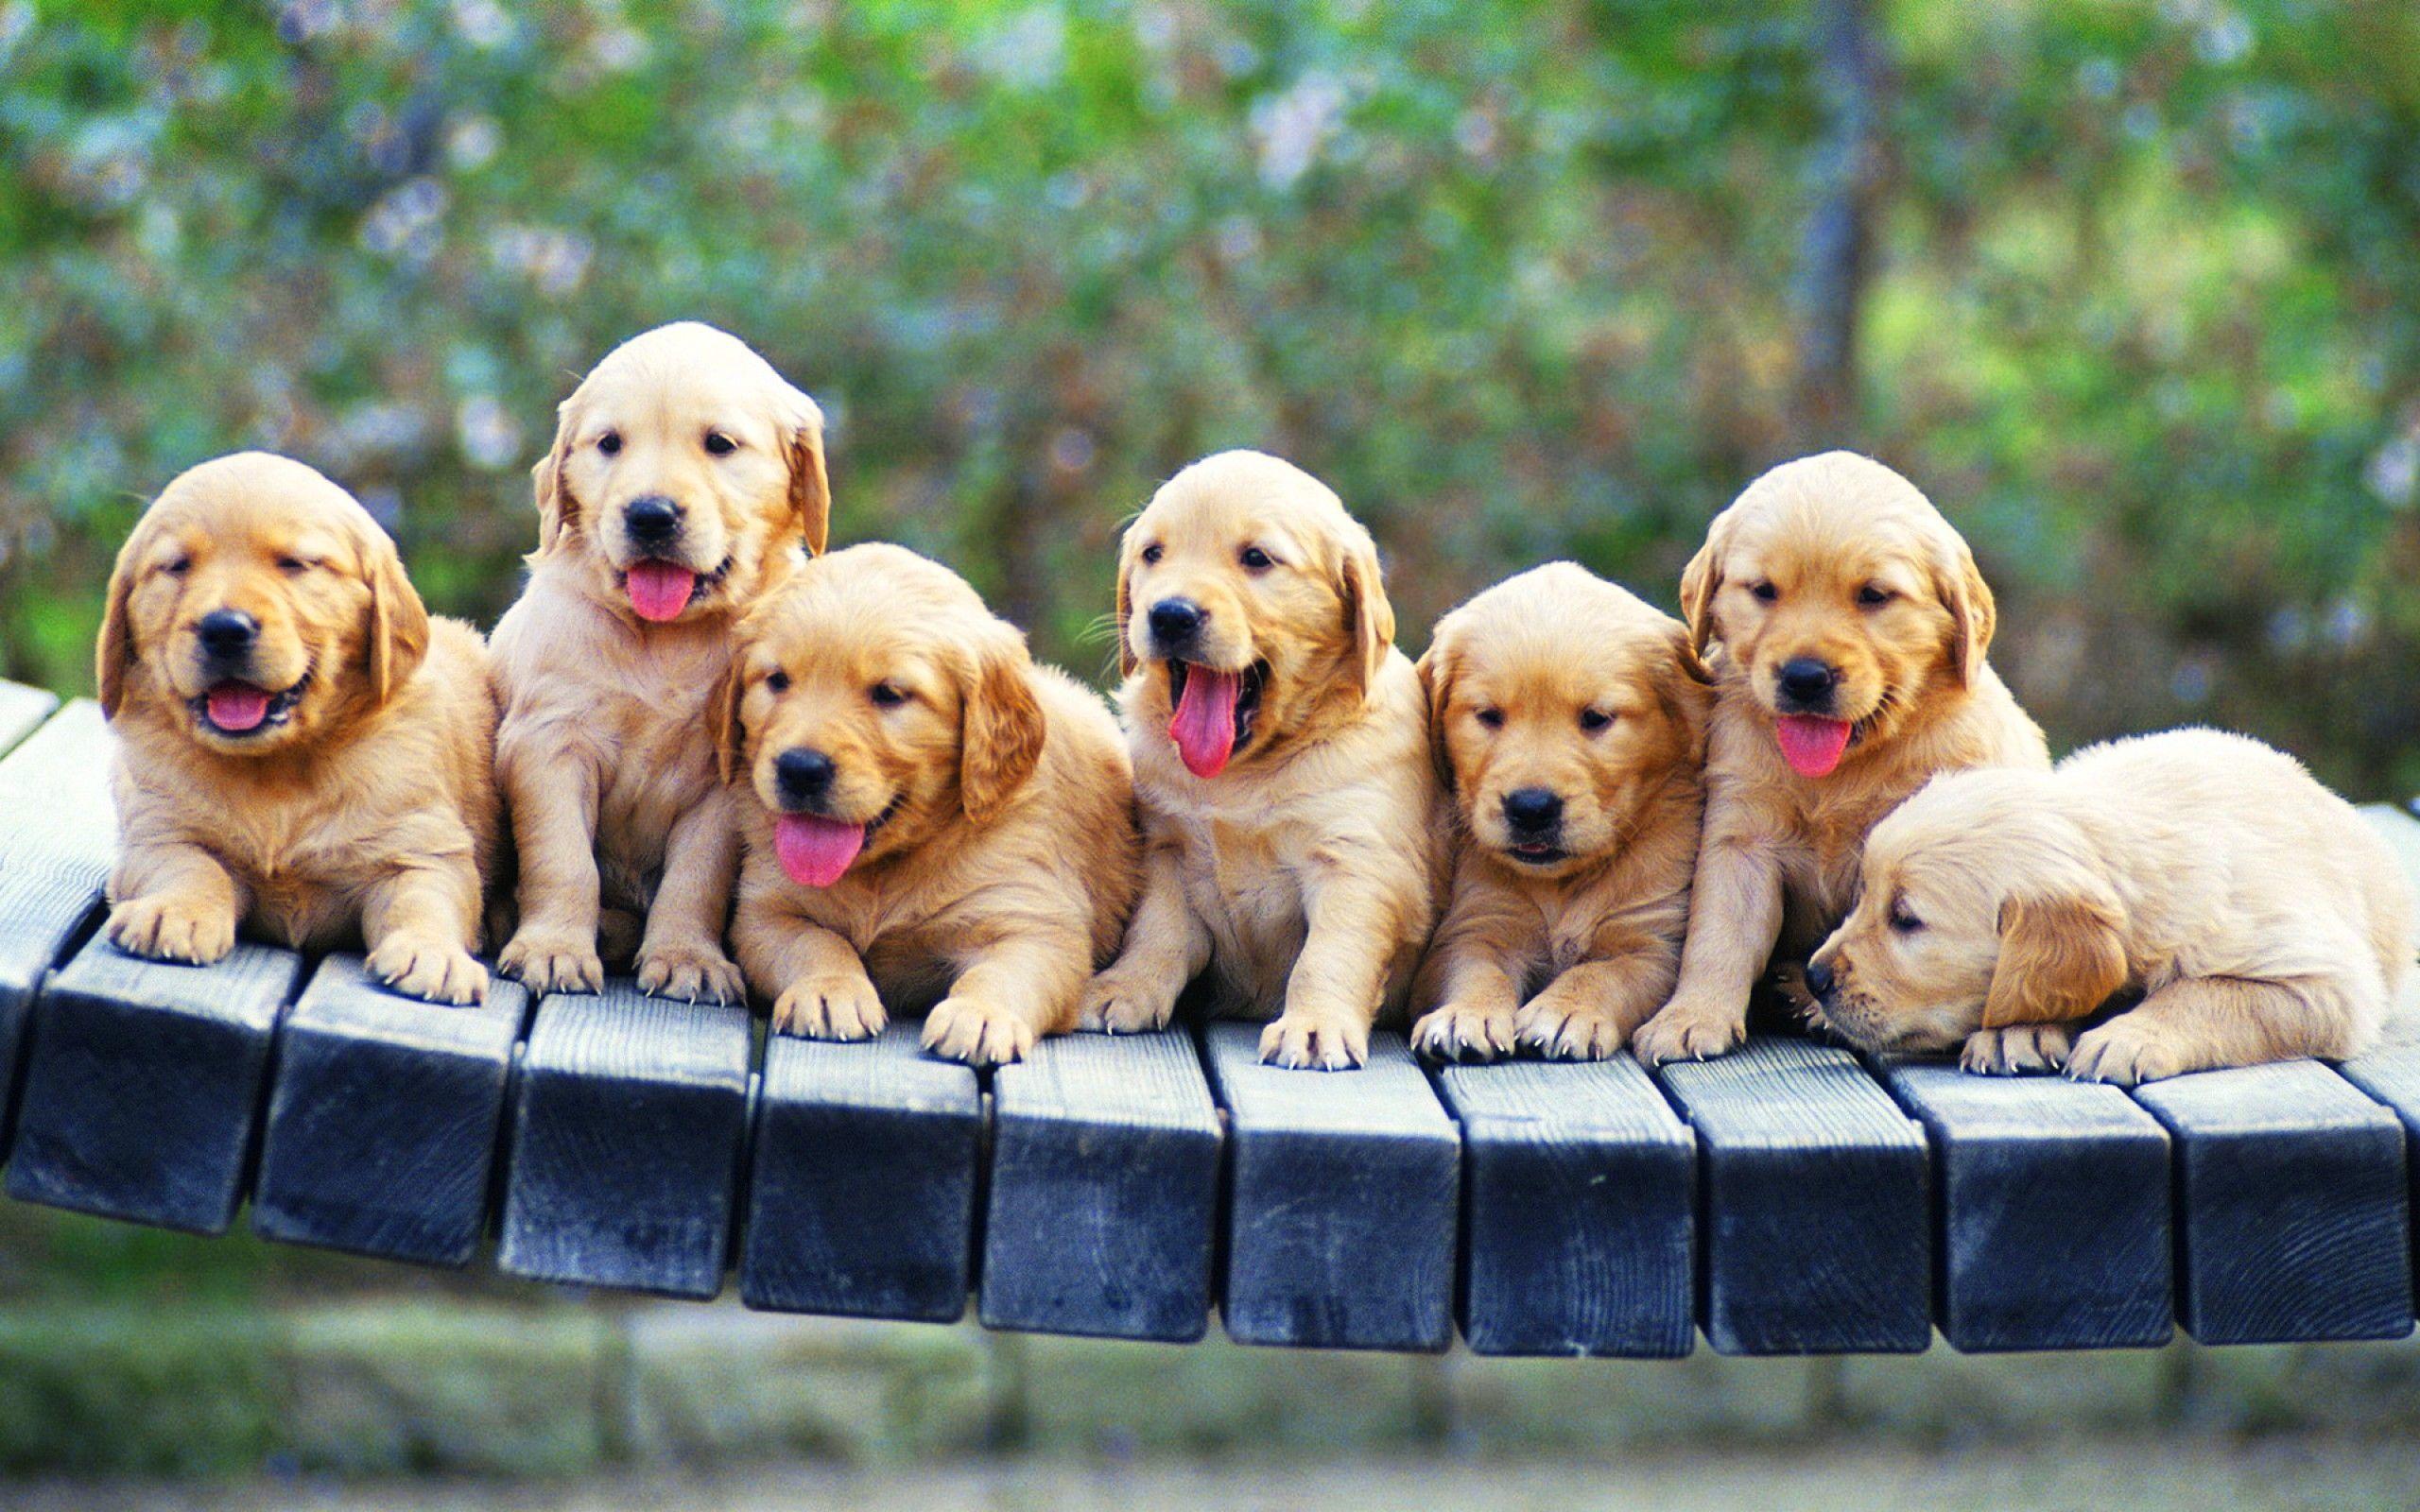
(1281, 763)
(687, 481)
(931, 818)
(1568, 721)
(2259, 917)
(1851, 626)
(301, 750)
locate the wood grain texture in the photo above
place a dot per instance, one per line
(2292, 1201)
(2391, 1077)
(55, 811)
(1343, 1195)
(22, 711)
(1579, 1198)
(2051, 1209)
(627, 1121)
(1814, 1233)
(1102, 1213)
(383, 1118)
(41, 913)
(144, 1084)
(861, 1184)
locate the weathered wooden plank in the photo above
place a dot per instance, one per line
(22, 711)
(2292, 1199)
(55, 809)
(383, 1118)
(861, 1185)
(627, 1121)
(1814, 1235)
(2390, 1076)
(2051, 1209)
(1103, 1213)
(144, 1084)
(1342, 1199)
(1579, 1210)
(41, 913)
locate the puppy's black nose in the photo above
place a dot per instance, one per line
(803, 774)
(651, 520)
(1805, 680)
(228, 632)
(1175, 621)
(1819, 979)
(1533, 809)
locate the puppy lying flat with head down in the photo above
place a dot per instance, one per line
(1851, 625)
(931, 818)
(2259, 914)
(1568, 720)
(1280, 764)
(301, 752)
(685, 481)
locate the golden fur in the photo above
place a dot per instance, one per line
(606, 763)
(1306, 875)
(1001, 863)
(1559, 682)
(1863, 575)
(361, 808)
(2259, 915)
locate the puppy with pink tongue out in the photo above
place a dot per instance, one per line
(1293, 834)
(685, 481)
(1846, 625)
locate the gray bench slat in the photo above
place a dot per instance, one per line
(2390, 1076)
(1814, 1234)
(1104, 1187)
(1579, 1210)
(55, 809)
(627, 1121)
(383, 1117)
(861, 1185)
(2051, 1204)
(22, 710)
(2292, 1203)
(41, 913)
(1344, 1191)
(144, 1084)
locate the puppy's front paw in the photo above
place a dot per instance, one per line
(1688, 1031)
(169, 929)
(830, 1007)
(1560, 1027)
(977, 1032)
(693, 973)
(548, 960)
(1309, 1041)
(1465, 1032)
(437, 969)
(2126, 1052)
(1123, 999)
(2015, 1050)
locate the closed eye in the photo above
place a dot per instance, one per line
(177, 566)
(293, 565)
(1903, 920)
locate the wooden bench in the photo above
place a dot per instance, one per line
(1791, 1198)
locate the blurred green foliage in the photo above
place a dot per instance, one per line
(2142, 308)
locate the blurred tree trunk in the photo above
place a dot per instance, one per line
(1835, 252)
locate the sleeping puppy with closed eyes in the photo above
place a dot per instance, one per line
(1568, 720)
(932, 821)
(303, 752)
(2257, 914)
(685, 481)
(1280, 764)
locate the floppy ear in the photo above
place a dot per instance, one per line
(810, 485)
(1701, 581)
(2061, 957)
(1973, 616)
(114, 654)
(1683, 687)
(1126, 660)
(1000, 740)
(1369, 619)
(398, 619)
(558, 511)
(1436, 669)
(722, 721)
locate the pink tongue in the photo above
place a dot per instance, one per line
(1812, 745)
(237, 706)
(815, 851)
(1204, 725)
(660, 590)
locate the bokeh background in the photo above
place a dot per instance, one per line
(2131, 287)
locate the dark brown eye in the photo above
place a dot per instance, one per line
(1255, 559)
(1491, 718)
(1764, 592)
(178, 567)
(610, 443)
(1872, 597)
(1152, 553)
(717, 444)
(888, 694)
(778, 681)
(1593, 720)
